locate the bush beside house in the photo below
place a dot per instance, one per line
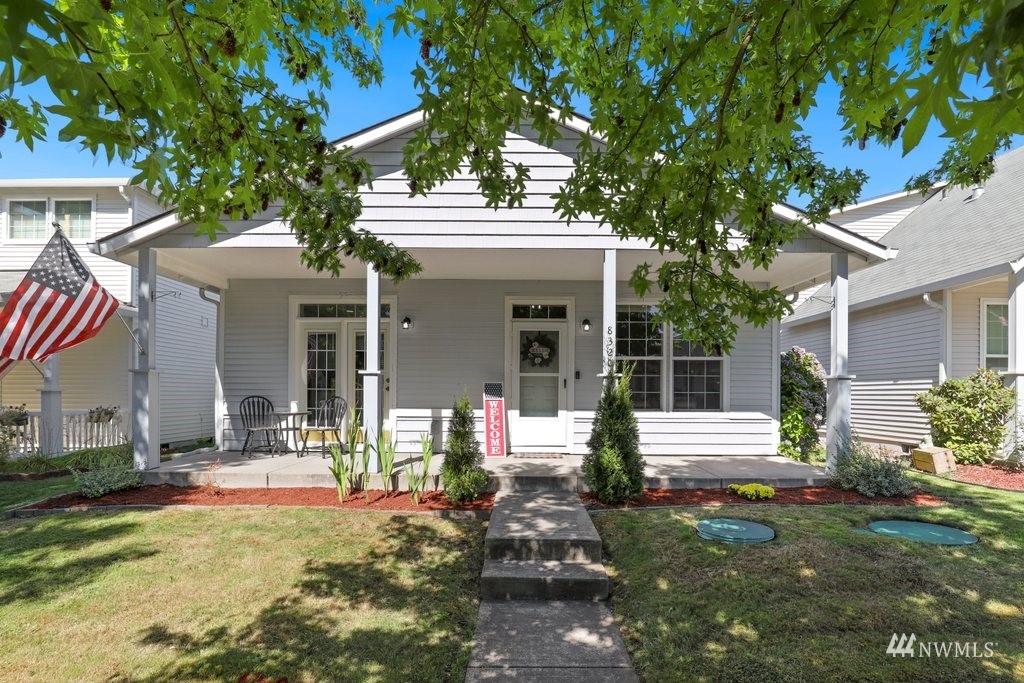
(462, 471)
(969, 415)
(613, 468)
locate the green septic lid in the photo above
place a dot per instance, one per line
(923, 531)
(734, 531)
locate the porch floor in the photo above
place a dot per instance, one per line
(231, 470)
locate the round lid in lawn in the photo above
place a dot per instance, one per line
(923, 532)
(734, 531)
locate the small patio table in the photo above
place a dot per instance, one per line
(290, 422)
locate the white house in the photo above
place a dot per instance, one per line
(96, 373)
(496, 284)
(949, 303)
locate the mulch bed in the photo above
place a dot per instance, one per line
(805, 495)
(165, 494)
(991, 475)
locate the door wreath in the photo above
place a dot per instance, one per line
(538, 351)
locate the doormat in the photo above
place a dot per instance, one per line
(537, 456)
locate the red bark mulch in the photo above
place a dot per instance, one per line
(804, 495)
(165, 494)
(991, 475)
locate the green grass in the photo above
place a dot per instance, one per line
(212, 595)
(820, 602)
(14, 494)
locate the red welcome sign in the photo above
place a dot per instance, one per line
(494, 420)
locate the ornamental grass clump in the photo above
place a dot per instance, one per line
(969, 415)
(753, 491)
(343, 468)
(613, 468)
(462, 471)
(803, 393)
(385, 449)
(418, 480)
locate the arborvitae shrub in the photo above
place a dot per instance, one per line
(462, 472)
(613, 468)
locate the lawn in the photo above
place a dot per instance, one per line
(14, 494)
(180, 594)
(820, 602)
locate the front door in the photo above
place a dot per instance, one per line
(540, 358)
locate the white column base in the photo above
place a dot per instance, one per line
(145, 421)
(838, 435)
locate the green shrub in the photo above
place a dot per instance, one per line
(969, 414)
(96, 483)
(860, 470)
(753, 491)
(802, 401)
(613, 468)
(462, 470)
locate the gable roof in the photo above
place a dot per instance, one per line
(955, 237)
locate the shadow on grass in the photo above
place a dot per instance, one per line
(405, 610)
(34, 565)
(821, 602)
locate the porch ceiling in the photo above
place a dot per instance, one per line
(217, 267)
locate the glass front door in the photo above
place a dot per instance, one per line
(540, 359)
(358, 345)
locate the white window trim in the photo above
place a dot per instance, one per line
(51, 202)
(983, 355)
(667, 373)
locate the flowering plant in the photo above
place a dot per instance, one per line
(803, 392)
(13, 415)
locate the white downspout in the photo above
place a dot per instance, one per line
(943, 359)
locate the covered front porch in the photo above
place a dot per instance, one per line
(529, 472)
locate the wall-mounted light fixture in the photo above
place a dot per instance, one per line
(406, 322)
(585, 325)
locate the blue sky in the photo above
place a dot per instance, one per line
(353, 109)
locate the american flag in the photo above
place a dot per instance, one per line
(57, 305)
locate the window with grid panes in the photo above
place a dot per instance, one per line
(26, 219)
(696, 377)
(693, 377)
(74, 216)
(638, 341)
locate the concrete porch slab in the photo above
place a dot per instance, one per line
(231, 470)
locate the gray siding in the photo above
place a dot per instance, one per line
(967, 324)
(457, 343)
(186, 334)
(894, 355)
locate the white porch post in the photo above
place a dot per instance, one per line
(145, 381)
(608, 312)
(371, 375)
(220, 406)
(1015, 335)
(51, 428)
(837, 421)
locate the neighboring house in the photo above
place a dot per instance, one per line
(506, 295)
(96, 372)
(949, 303)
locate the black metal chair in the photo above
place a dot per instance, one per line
(326, 420)
(260, 423)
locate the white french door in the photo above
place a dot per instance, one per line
(357, 356)
(540, 358)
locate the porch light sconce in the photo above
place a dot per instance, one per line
(406, 323)
(585, 325)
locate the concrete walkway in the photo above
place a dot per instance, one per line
(541, 545)
(231, 470)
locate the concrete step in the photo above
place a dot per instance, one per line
(542, 580)
(541, 525)
(532, 482)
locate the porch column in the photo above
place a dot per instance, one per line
(608, 313)
(220, 406)
(1015, 336)
(51, 427)
(371, 375)
(837, 420)
(145, 381)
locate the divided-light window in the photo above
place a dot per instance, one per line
(32, 219)
(995, 335)
(679, 376)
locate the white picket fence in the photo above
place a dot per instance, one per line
(79, 432)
